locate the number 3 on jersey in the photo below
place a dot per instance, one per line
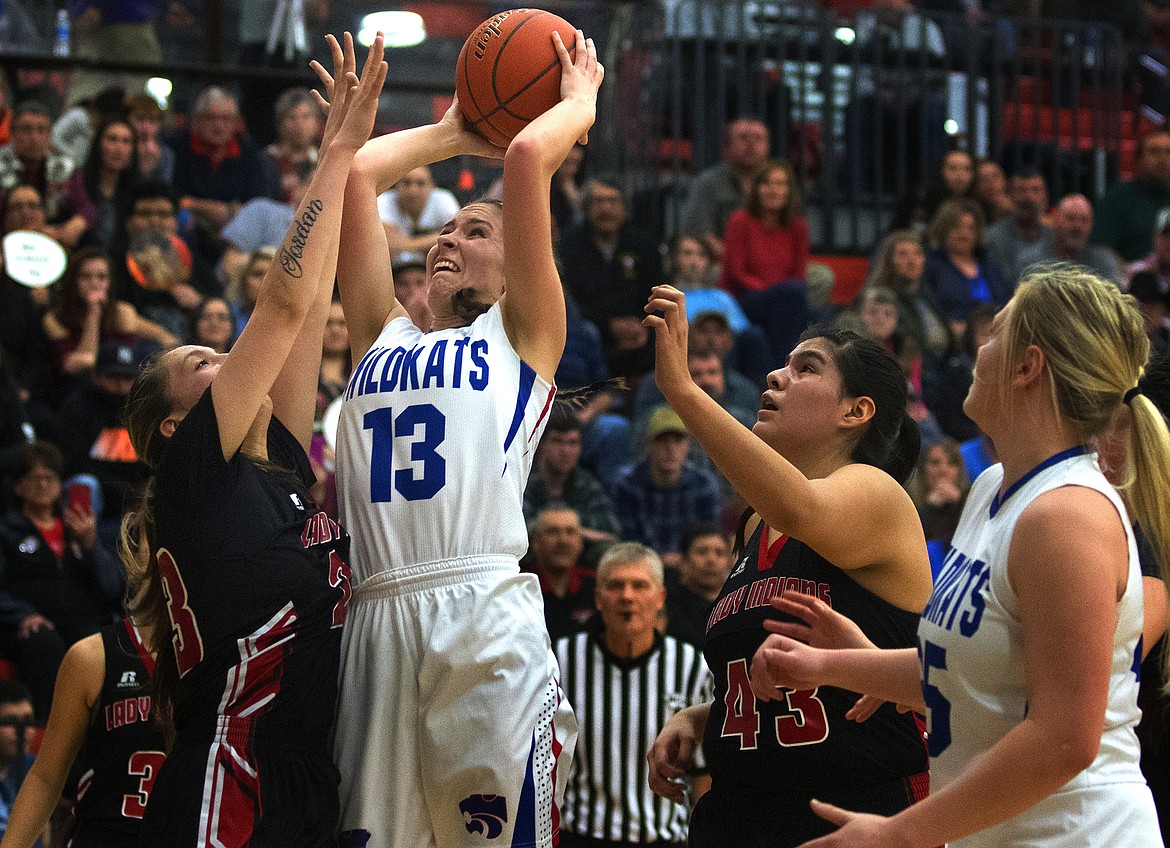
(805, 723)
(144, 765)
(185, 635)
(386, 427)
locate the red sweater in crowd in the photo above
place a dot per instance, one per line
(756, 256)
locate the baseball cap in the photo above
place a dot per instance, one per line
(123, 358)
(407, 259)
(664, 420)
(1162, 221)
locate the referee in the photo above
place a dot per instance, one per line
(625, 679)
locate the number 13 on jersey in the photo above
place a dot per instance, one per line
(423, 428)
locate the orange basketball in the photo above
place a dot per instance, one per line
(508, 72)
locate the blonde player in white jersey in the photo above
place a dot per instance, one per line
(452, 729)
(1029, 648)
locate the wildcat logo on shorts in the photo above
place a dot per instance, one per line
(485, 814)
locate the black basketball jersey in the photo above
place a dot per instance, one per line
(257, 583)
(802, 742)
(123, 746)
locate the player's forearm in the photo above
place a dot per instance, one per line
(1019, 771)
(301, 258)
(553, 134)
(33, 806)
(388, 158)
(890, 674)
(696, 716)
(363, 268)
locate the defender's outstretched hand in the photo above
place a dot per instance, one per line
(670, 337)
(351, 103)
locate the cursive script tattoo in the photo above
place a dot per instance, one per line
(294, 244)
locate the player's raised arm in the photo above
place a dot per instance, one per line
(294, 393)
(290, 287)
(533, 305)
(363, 268)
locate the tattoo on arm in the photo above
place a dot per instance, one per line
(294, 246)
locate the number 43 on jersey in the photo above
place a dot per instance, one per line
(805, 723)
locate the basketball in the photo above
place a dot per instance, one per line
(508, 72)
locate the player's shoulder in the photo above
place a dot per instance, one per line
(83, 668)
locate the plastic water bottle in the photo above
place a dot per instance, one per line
(61, 45)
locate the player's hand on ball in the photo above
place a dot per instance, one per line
(581, 74)
(470, 143)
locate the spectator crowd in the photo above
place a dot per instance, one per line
(168, 233)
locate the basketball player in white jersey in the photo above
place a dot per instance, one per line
(452, 728)
(1029, 648)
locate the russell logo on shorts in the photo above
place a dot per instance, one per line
(484, 814)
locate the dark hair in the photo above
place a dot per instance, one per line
(609, 180)
(536, 523)
(984, 313)
(924, 198)
(696, 531)
(563, 419)
(467, 307)
(69, 307)
(35, 455)
(1144, 287)
(13, 419)
(196, 314)
(31, 106)
(91, 171)
(150, 190)
(14, 692)
(8, 197)
(891, 441)
(1026, 172)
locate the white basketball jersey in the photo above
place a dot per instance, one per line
(434, 446)
(971, 647)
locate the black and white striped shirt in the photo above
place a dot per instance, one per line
(621, 705)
